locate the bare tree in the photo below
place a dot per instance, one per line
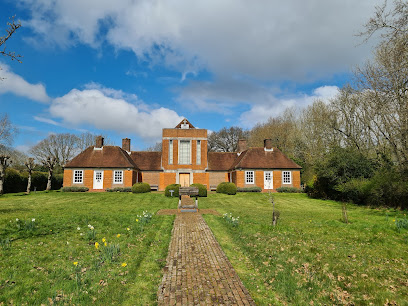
(30, 166)
(4, 163)
(226, 139)
(12, 27)
(49, 163)
(157, 147)
(7, 131)
(59, 147)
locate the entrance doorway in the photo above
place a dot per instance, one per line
(98, 180)
(184, 179)
(268, 180)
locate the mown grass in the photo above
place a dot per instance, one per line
(311, 256)
(37, 264)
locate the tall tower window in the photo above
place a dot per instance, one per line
(184, 152)
(170, 152)
(198, 152)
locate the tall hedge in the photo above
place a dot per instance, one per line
(202, 190)
(15, 181)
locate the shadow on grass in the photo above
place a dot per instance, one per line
(12, 210)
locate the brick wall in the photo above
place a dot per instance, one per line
(67, 182)
(277, 179)
(201, 178)
(152, 178)
(296, 178)
(217, 177)
(166, 179)
(88, 178)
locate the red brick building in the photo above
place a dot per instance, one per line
(184, 160)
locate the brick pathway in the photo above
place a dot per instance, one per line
(197, 270)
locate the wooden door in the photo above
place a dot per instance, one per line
(268, 180)
(98, 180)
(185, 179)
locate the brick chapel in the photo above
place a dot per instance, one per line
(184, 160)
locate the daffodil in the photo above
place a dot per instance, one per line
(78, 228)
(128, 229)
(103, 239)
(393, 220)
(137, 220)
(124, 264)
(118, 235)
(33, 220)
(105, 244)
(75, 263)
(96, 245)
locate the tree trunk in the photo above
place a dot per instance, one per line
(2, 173)
(49, 179)
(29, 182)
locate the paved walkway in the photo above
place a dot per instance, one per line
(197, 270)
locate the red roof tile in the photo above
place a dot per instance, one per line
(147, 160)
(221, 161)
(258, 158)
(108, 157)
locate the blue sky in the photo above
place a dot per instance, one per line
(130, 68)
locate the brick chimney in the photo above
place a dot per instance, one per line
(268, 145)
(242, 145)
(99, 142)
(126, 144)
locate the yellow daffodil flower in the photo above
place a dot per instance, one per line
(118, 235)
(124, 264)
(75, 263)
(137, 220)
(103, 239)
(96, 245)
(128, 229)
(105, 244)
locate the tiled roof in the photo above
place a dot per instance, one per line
(221, 161)
(258, 158)
(107, 157)
(147, 160)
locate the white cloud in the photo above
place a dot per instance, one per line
(261, 39)
(15, 84)
(46, 120)
(262, 112)
(104, 109)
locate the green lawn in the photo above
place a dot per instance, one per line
(310, 256)
(39, 267)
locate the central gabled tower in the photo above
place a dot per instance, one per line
(184, 153)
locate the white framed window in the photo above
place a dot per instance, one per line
(170, 151)
(249, 177)
(286, 177)
(118, 177)
(78, 176)
(184, 152)
(198, 152)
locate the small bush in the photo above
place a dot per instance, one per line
(141, 188)
(249, 189)
(401, 224)
(74, 189)
(202, 190)
(119, 189)
(288, 190)
(227, 188)
(175, 187)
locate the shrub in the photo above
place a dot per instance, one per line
(74, 189)
(56, 181)
(202, 190)
(249, 189)
(289, 190)
(227, 188)
(141, 188)
(14, 181)
(119, 189)
(39, 181)
(175, 187)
